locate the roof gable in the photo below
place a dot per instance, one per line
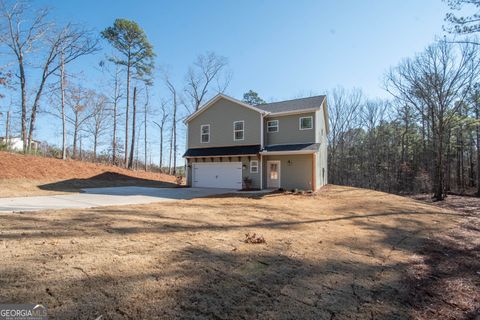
(215, 99)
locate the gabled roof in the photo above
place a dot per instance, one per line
(293, 105)
(215, 99)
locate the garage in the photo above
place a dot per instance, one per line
(217, 175)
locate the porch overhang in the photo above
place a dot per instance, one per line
(290, 149)
(234, 151)
(279, 153)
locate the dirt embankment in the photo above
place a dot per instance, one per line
(24, 175)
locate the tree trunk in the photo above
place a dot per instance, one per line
(439, 190)
(170, 151)
(7, 128)
(114, 138)
(64, 121)
(23, 92)
(115, 105)
(145, 133)
(95, 142)
(126, 113)
(161, 148)
(477, 116)
(174, 134)
(132, 147)
(75, 136)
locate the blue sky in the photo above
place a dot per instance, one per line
(281, 49)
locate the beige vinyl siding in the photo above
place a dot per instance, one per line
(221, 116)
(296, 175)
(289, 130)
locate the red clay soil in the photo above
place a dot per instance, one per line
(18, 166)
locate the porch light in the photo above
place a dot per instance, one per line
(289, 162)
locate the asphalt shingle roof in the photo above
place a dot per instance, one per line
(292, 147)
(293, 105)
(222, 151)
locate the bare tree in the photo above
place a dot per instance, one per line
(173, 141)
(114, 98)
(78, 99)
(161, 127)
(432, 83)
(344, 114)
(97, 124)
(33, 36)
(208, 73)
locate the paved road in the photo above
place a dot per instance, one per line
(97, 197)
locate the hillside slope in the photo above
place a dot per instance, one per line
(24, 175)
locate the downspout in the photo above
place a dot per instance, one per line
(261, 149)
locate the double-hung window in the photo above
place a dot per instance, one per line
(205, 133)
(238, 130)
(272, 126)
(306, 123)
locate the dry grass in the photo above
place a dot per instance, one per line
(344, 253)
(27, 175)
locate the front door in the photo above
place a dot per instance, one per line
(273, 174)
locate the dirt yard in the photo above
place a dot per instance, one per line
(344, 253)
(26, 175)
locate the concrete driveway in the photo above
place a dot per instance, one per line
(98, 197)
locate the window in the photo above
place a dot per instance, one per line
(272, 126)
(306, 123)
(205, 133)
(238, 130)
(254, 166)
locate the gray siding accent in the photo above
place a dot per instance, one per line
(297, 175)
(220, 116)
(289, 129)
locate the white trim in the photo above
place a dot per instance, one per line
(279, 153)
(201, 133)
(215, 99)
(279, 171)
(261, 132)
(242, 131)
(277, 126)
(287, 113)
(251, 161)
(186, 138)
(261, 172)
(300, 123)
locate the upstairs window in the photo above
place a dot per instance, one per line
(205, 133)
(306, 123)
(272, 126)
(238, 130)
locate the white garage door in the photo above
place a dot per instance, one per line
(218, 175)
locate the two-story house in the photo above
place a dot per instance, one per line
(275, 145)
